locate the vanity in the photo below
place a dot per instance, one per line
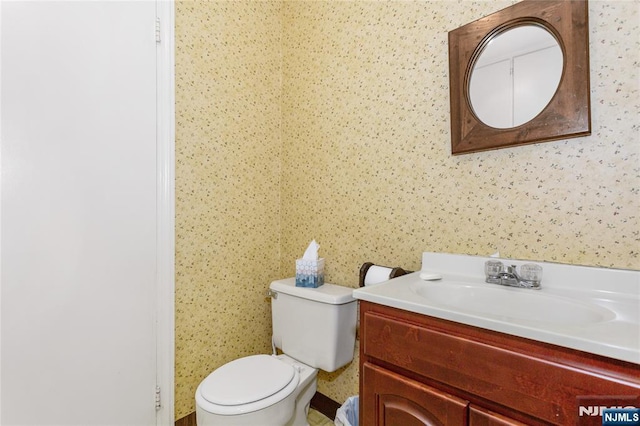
(451, 349)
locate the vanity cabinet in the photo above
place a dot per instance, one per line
(420, 370)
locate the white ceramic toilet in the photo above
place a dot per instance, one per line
(315, 329)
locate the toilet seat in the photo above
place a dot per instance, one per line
(248, 384)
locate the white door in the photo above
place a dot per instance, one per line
(78, 213)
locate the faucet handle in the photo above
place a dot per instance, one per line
(493, 268)
(531, 272)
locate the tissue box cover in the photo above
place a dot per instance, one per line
(309, 273)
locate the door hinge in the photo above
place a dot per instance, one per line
(158, 404)
(157, 30)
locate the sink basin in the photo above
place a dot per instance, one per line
(510, 304)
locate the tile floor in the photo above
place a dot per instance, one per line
(315, 418)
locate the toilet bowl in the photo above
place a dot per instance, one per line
(315, 329)
(257, 390)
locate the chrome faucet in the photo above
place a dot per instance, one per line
(530, 275)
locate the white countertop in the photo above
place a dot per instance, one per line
(595, 310)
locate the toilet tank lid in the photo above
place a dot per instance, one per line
(328, 293)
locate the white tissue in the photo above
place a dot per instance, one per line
(376, 274)
(311, 253)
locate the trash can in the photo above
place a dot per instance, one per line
(347, 414)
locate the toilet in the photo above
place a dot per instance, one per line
(315, 329)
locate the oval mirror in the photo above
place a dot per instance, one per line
(515, 75)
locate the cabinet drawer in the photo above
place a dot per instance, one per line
(460, 357)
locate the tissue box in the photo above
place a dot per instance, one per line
(309, 273)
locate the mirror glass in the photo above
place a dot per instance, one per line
(515, 76)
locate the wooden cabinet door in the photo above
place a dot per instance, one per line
(389, 399)
(479, 416)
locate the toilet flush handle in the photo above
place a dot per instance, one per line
(272, 294)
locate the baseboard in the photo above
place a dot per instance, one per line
(325, 405)
(319, 402)
(188, 420)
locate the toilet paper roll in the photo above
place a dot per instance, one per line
(376, 274)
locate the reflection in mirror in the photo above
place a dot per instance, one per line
(515, 76)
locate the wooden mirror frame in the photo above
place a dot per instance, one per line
(567, 115)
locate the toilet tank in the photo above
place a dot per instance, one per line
(316, 326)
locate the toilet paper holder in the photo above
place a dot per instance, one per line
(393, 272)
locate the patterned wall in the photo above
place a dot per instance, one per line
(228, 97)
(362, 157)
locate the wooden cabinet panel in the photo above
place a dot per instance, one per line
(531, 381)
(394, 400)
